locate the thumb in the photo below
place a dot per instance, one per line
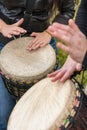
(19, 22)
(33, 34)
(78, 67)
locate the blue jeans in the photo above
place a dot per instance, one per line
(7, 103)
(53, 44)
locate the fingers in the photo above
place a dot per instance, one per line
(34, 44)
(65, 77)
(62, 35)
(53, 74)
(57, 75)
(33, 34)
(58, 26)
(8, 35)
(64, 32)
(14, 31)
(40, 40)
(33, 47)
(65, 72)
(34, 41)
(63, 47)
(43, 44)
(18, 29)
(37, 45)
(78, 67)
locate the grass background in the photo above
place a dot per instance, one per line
(62, 55)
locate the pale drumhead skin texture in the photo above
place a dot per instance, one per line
(44, 106)
(20, 64)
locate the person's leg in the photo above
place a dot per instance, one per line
(7, 103)
(1, 46)
(53, 44)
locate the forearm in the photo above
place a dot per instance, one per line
(81, 17)
(2, 24)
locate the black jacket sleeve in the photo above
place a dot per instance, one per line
(84, 63)
(81, 21)
(81, 18)
(66, 11)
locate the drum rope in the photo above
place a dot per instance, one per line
(20, 36)
(81, 84)
(71, 118)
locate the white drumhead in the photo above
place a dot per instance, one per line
(19, 63)
(43, 107)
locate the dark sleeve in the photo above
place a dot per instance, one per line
(81, 18)
(84, 63)
(66, 11)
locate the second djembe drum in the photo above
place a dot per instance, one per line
(50, 106)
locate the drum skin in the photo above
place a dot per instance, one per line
(22, 68)
(22, 65)
(45, 106)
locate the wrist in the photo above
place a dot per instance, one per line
(48, 32)
(2, 25)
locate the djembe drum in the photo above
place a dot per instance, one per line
(48, 106)
(22, 68)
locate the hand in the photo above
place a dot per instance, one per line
(75, 41)
(40, 40)
(66, 71)
(14, 29)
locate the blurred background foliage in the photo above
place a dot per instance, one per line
(62, 55)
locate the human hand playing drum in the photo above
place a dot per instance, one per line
(66, 71)
(40, 40)
(10, 30)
